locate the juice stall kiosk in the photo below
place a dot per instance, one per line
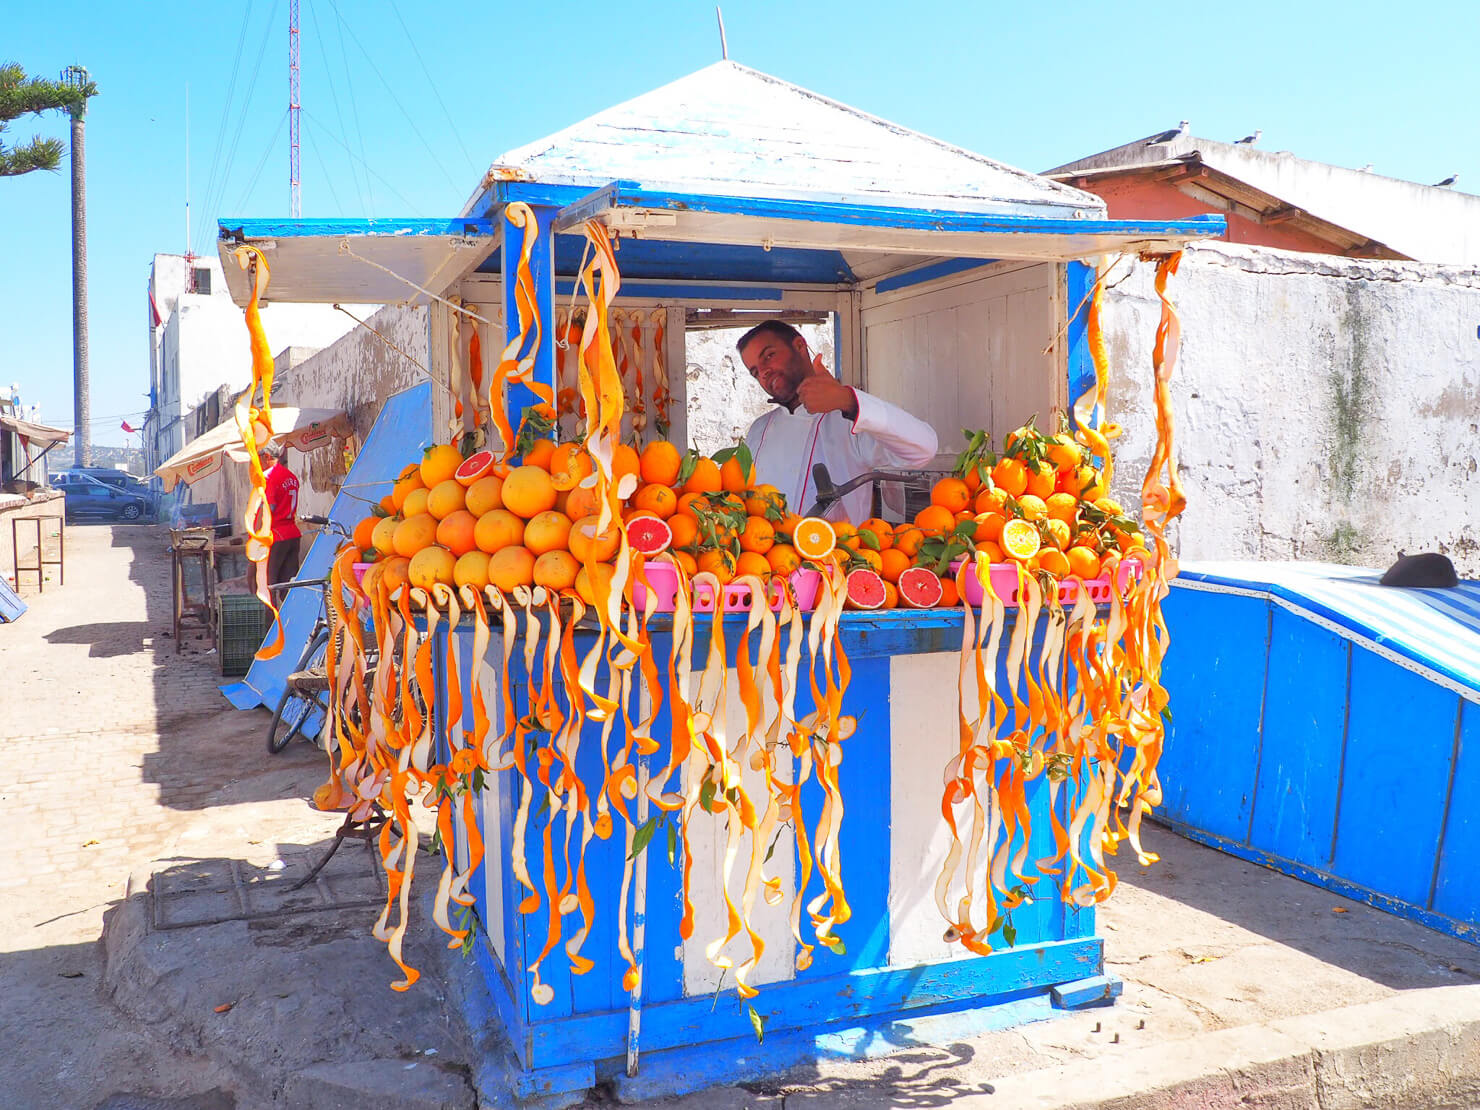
(645, 806)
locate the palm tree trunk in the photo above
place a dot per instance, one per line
(81, 401)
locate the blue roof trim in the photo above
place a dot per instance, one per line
(930, 273)
(460, 227)
(661, 260)
(626, 194)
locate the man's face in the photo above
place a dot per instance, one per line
(778, 366)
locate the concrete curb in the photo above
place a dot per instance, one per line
(1416, 1051)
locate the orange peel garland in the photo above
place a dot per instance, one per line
(254, 425)
(1086, 704)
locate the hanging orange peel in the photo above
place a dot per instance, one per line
(1076, 700)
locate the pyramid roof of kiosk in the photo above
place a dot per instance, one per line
(732, 131)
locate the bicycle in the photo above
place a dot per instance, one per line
(307, 687)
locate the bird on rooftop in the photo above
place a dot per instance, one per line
(1447, 182)
(1168, 136)
(1249, 140)
(1366, 169)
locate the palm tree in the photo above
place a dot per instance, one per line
(22, 96)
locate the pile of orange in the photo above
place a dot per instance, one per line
(1042, 503)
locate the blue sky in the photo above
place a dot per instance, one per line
(405, 104)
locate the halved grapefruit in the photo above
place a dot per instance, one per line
(865, 589)
(648, 534)
(920, 588)
(474, 467)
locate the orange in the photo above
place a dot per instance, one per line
(1011, 476)
(1032, 507)
(893, 563)
(382, 536)
(1059, 533)
(581, 501)
(484, 495)
(1109, 505)
(1052, 560)
(471, 570)
(439, 463)
(936, 519)
(656, 499)
(847, 535)
(950, 493)
(687, 503)
(907, 540)
(408, 481)
(991, 526)
(752, 562)
(973, 479)
(689, 564)
(685, 530)
(457, 532)
(1063, 506)
(541, 451)
(732, 477)
(1083, 562)
(1020, 540)
(1065, 454)
(604, 571)
(416, 502)
(1091, 483)
(414, 533)
(1040, 480)
(991, 550)
(547, 531)
(763, 500)
(364, 531)
(813, 538)
(992, 500)
(705, 478)
(388, 504)
(586, 544)
(948, 593)
(556, 570)
(498, 529)
(568, 465)
(446, 498)
(883, 531)
(719, 563)
(783, 559)
(528, 492)
(394, 572)
(659, 463)
(874, 559)
(759, 535)
(625, 460)
(371, 582)
(510, 567)
(891, 595)
(430, 565)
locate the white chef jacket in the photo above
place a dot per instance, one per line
(786, 445)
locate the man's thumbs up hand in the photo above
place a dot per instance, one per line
(820, 392)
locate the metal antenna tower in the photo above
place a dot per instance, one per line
(294, 176)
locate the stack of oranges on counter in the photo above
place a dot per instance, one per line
(464, 521)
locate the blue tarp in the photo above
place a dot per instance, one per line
(11, 605)
(400, 432)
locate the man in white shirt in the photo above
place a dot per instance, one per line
(818, 419)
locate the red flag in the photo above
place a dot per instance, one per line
(154, 308)
(126, 428)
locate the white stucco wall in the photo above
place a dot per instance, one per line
(723, 398)
(1326, 408)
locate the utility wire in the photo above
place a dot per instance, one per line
(412, 210)
(241, 40)
(452, 123)
(266, 153)
(329, 179)
(338, 111)
(354, 107)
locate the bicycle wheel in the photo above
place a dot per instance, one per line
(294, 708)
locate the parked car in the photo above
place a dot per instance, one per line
(120, 480)
(89, 499)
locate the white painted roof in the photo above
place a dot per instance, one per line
(731, 131)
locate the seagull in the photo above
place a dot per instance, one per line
(1366, 169)
(1168, 136)
(1249, 140)
(1447, 182)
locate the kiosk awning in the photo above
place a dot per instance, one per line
(378, 261)
(303, 429)
(34, 434)
(823, 225)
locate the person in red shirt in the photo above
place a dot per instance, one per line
(282, 501)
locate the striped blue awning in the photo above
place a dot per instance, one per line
(1436, 631)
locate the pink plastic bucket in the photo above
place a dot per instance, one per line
(663, 578)
(1004, 581)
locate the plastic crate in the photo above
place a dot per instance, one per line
(242, 623)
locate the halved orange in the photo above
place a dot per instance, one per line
(813, 538)
(1020, 540)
